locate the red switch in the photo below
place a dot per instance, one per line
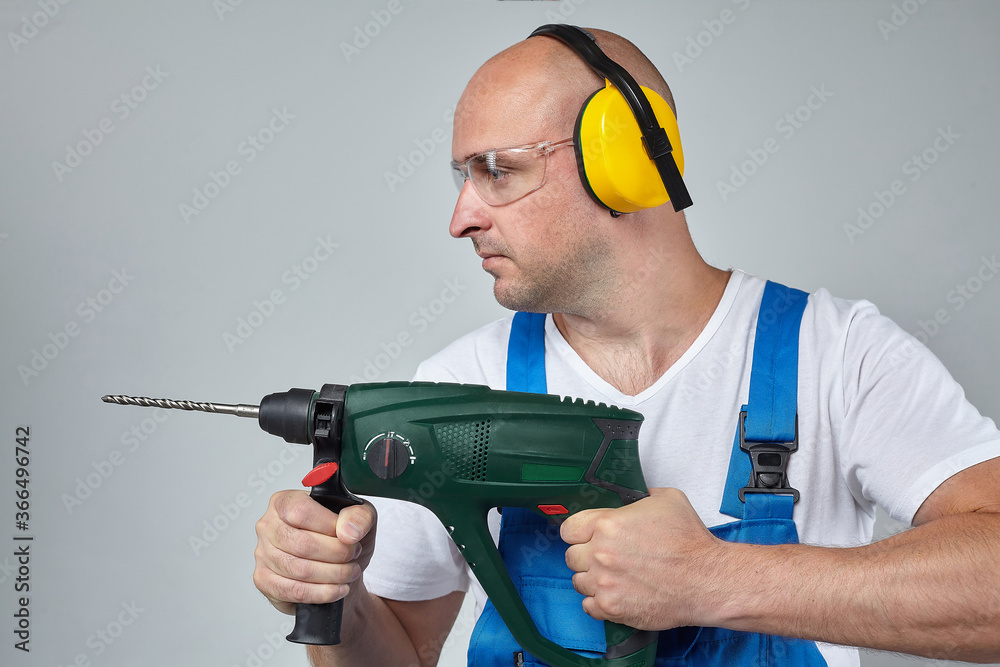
(320, 474)
(553, 509)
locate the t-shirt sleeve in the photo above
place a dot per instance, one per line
(907, 424)
(414, 558)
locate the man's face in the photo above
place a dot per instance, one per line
(546, 251)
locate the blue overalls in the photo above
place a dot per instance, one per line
(765, 436)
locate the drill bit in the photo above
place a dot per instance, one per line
(240, 410)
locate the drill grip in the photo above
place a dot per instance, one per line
(304, 416)
(319, 624)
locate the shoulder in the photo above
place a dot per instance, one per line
(830, 316)
(478, 357)
(856, 331)
(852, 340)
(827, 319)
(827, 309)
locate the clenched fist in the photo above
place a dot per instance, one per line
(307, 553)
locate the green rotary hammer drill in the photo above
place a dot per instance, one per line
(459, 450)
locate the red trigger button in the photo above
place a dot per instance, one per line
(320, 474)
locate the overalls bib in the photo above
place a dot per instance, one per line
(765, 436)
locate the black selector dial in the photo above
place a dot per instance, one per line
(388, 458)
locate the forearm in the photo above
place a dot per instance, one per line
(371, 634)
(932, 591)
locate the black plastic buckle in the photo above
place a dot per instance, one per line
(770, 463)
(656, 143)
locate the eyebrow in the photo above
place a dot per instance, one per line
(496, 148)
(474, 154)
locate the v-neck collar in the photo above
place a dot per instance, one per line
(570, 356)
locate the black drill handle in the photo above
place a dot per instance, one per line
(319, 624)
(303, 416)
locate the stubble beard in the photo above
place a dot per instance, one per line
(577, 282)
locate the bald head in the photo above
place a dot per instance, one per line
(539, 85)
(626, 54)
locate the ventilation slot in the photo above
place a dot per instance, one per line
(466, 447)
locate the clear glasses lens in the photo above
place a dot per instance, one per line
(505, 175)
(458, 173)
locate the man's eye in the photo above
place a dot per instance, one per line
(489, 172)
(498, 173)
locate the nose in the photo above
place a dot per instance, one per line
(470, 215)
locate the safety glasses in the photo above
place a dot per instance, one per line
(504, 175)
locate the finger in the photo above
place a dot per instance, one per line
(296, 508)
(578, 557)
(304, 543)
(283, 592)
(302, 569)
(579, 528)
(591, 608)
(355, 522)
(581, 584)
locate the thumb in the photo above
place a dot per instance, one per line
(354, 522)
(579, 528)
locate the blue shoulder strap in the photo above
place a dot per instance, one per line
(526, 354)
(771, 407)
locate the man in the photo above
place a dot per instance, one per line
(640, 320)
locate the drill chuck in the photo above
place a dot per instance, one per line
(286, 415)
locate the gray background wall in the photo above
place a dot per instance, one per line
(109, 286)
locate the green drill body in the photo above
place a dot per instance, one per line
(462, 450)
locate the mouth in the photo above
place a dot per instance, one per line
(488, 255)
(491, 261)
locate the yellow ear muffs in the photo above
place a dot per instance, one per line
(612, 159)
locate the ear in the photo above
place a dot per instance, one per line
(610, 155)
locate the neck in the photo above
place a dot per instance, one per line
(667, 298)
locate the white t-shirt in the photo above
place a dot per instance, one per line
(881, 421)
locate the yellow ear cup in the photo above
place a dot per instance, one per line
(611, 157)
